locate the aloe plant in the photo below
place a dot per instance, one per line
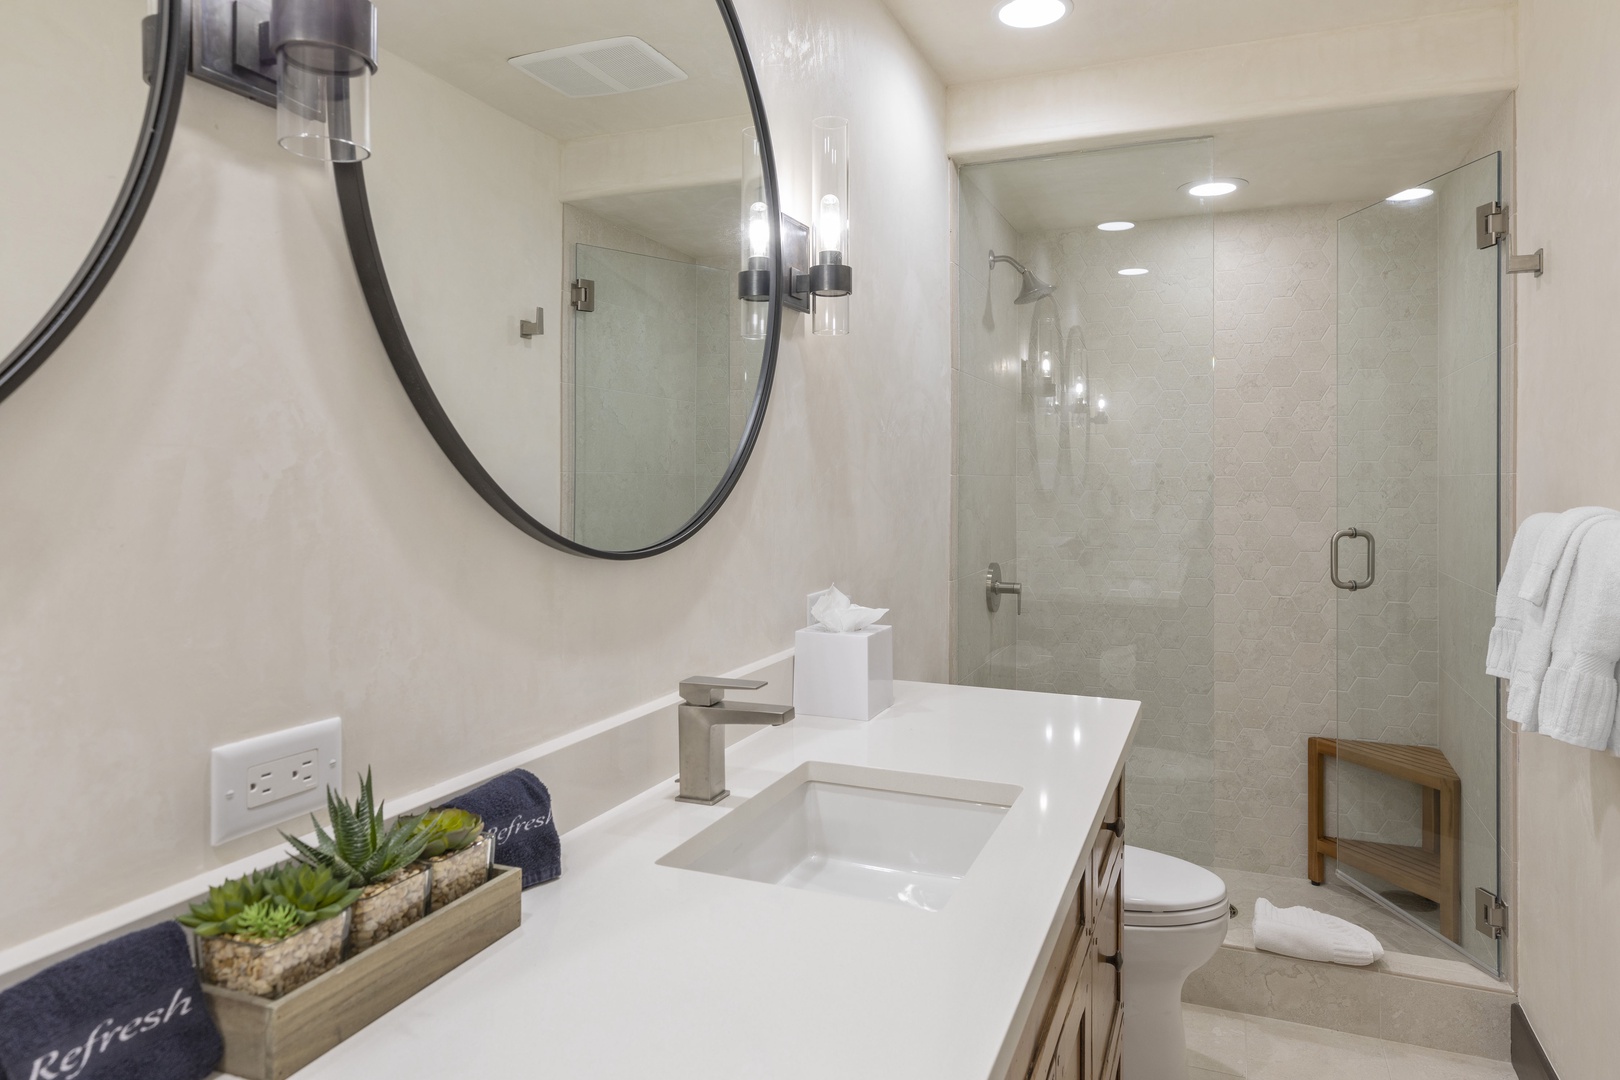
(359, 848)
(448, 830)
(270, 919)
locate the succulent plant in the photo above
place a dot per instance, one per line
(269, 919)
(310, 894)
(447, 830)
(315, 893)
(218, 913)
(359, 847)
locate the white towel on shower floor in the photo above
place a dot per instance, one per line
(1511, 613)
(1313, 935)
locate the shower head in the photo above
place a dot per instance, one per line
(1034, 288)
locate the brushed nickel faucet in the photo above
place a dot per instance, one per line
(703, 748)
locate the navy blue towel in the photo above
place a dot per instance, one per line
(131, 1009)
(516, 808)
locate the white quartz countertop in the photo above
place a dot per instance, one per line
(627, 969)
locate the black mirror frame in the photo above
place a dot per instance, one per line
(168, 76)
(368, 263)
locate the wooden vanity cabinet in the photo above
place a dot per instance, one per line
(1075, 1028)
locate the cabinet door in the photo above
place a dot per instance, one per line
(1106, 968)
(1066, 1052)
(1108, 845)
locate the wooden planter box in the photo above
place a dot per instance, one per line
(270, 1040)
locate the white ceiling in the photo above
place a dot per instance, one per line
(965, 42)
(1359, 155)
(468, 43)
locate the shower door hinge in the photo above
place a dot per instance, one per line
(1491, 221)
(1490, 914)
(1491, 229)
(582, 295)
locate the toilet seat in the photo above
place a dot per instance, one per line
(1192, 917)
(1161, 890)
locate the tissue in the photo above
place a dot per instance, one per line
(835, 612)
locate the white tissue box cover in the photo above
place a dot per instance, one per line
(849, 676)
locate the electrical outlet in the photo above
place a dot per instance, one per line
(265, 781)
(282, 778)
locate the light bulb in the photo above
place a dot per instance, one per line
(1102, 404)
(1046, 365)
(830, 225)
(759, 231)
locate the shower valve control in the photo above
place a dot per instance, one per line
(995, 588)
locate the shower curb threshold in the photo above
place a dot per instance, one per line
(1441, 1004)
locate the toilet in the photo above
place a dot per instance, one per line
(1175, 919)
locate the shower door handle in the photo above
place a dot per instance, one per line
(1372, 556)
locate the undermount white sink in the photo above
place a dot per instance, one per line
(903, 838)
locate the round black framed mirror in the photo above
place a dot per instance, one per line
(110, 73)
(564, 238)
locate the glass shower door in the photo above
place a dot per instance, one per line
(1412, 800)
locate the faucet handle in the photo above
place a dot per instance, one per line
(705, 690)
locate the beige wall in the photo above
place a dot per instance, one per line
(222, 515)
(1569, 455)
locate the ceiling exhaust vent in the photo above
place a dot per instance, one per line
(596, 68)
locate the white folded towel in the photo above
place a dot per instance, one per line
(1535, 642)
(1313, 935)
(1578, 692)
(1510, 613)
(1551, 549)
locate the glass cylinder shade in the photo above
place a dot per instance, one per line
(323, 104)
(829, 184)
(754, 233)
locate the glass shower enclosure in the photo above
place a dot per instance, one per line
(1158, 446)
(1417, 555)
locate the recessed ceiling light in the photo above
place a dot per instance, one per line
(1116, 226)
(1411, 194)
(1214, 187)
(1133, 271)
(1028, 14)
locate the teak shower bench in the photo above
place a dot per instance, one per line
(1433, 869)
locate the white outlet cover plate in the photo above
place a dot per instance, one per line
(230, 766)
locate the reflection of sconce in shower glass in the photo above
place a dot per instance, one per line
(311, 59)
(754, 280)
(830, 277)
(1045, 347)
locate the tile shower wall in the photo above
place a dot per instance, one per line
(1114, 504)
(1275, 395)
(990, 335)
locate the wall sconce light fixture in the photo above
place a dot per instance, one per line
(815, 276)
(311, 59)
(830, 277)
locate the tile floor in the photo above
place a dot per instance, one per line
(1335, 898)
(1222, 1045)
